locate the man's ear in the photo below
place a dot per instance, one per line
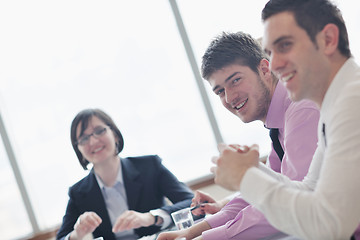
(330, 34)
(264, 66)
(264, 69)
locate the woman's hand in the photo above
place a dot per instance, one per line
(86, 223)
(132, 219)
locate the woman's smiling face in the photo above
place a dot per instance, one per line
(101, 145)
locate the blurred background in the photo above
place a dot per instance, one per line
(137, 60)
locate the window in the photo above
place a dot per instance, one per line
(205, 19)
(125, 57)
(14, 223)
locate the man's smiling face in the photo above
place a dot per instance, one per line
(242, 91)
(297, 61)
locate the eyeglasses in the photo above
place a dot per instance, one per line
(98, 132)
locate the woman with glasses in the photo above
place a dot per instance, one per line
(121, 198)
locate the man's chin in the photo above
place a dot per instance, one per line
(295, 97)
(245, 119)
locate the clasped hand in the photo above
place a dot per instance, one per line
(232, 163)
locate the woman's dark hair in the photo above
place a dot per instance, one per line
(84, 118)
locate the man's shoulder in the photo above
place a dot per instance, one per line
(302, 111)
(348, 97)
(302, 105)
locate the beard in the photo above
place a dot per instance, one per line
(263, 101)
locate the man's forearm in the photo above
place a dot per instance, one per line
(198, 228)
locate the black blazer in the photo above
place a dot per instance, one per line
(147, 182)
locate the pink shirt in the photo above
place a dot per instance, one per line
(297, 123)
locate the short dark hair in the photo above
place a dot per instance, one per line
(312, 16)
(83, 118)
(230, 48)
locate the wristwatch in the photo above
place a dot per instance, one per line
(158, 221)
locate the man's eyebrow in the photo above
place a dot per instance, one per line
(281, 39)
(226, 80)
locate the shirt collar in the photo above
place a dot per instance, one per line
(280, 101)
(119, 178)
(342, 77)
